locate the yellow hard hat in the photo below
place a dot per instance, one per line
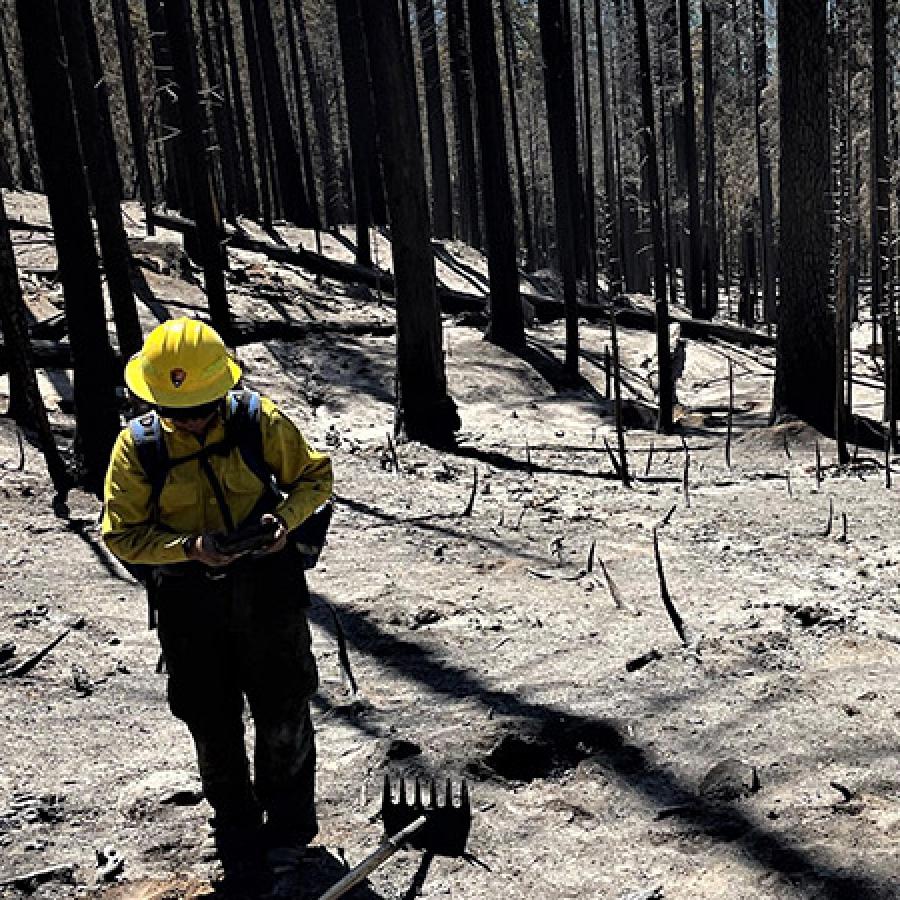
(183, 363)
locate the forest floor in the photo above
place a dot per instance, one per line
(756, 760)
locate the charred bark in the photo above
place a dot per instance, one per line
(461, 72)
(248, 194)
(648, 135)
(611, 210)
(26, 176)
(21, 364)
(561, 124)
(103, 173)
(332, 194)
(763, 164)
(804, 376)
(360, 121)
(260, 115)
(96, 413)
(711, 238)
(513, 79)
(442, 211)
(425, 410)
(133, 106)
(693, 269)
(507, 327)
(293, 192)
(193, 145)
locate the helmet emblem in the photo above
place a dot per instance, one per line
(178, 376)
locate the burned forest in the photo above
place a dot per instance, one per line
(593, 307)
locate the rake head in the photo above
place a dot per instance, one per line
(447, 829)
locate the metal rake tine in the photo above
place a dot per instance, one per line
(386, 796)
(418, 797)
(464, 803)
(432, 795)
(402, 800)
(448, 802)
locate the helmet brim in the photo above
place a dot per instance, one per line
(180, 398)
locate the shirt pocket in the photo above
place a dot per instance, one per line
(241, 487)
(180, 499)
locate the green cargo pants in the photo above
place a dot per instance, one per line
(228, 636)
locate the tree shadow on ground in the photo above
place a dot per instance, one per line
(472, 276)
(725, 822)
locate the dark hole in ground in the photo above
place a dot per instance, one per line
(523, 754)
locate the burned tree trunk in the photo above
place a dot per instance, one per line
(26, 176)
(561, 123)
(53, 116)
(248, 194)
(611, 217)
(507, 326)
(804, 374)
(882, 301)
(21, 364)
(648, 133)
(590, 217)
(332, 193)
(176, 192)
(139, 148)
(461, 72)
(103, 175)
(192, 142)
(763, 164)
(258, 103)
(513, 77)
(437, 129)
(694, 272)
(425, 410)
(359, 120)
(220, 111)
(94, 75)
(293, 193)
(711, 238)
(305, 144)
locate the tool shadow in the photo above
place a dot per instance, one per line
(319, 870)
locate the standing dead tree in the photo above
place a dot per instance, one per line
(560, 95)
(99, 150)
(21, 364)
(193, 129)
(425, 411)
(648, 136)
(507, 328)
(59, 154)
(442, 212)
(125, 40)
(464, 129)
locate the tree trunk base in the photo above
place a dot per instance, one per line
(435, 424)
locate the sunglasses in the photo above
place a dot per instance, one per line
(189, 413)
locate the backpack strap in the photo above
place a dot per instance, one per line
(153, 455)
(243, 429)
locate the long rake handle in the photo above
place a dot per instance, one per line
(373, 861)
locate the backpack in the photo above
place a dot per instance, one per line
(242, 431)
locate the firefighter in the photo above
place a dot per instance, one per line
(232, 625)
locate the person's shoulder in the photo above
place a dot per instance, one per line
(269, 408)
(126, 441)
